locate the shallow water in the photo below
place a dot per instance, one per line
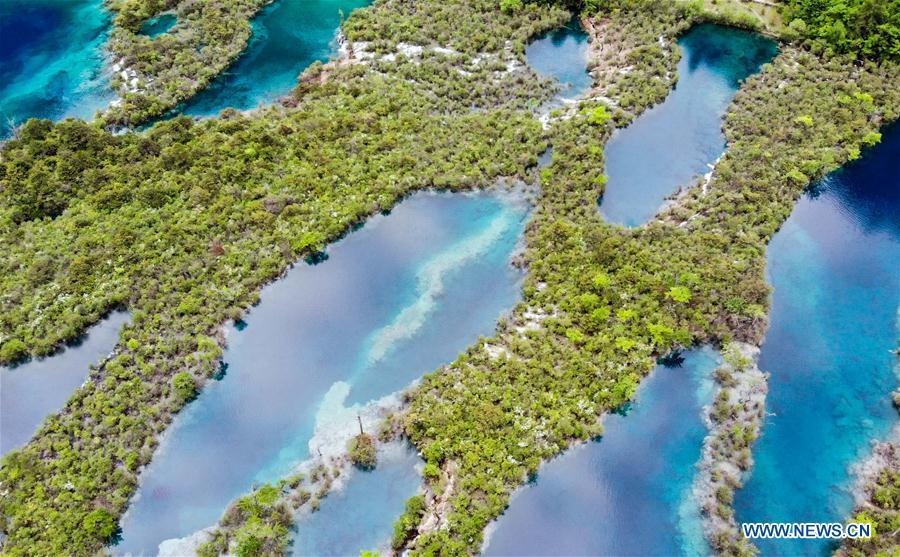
(31, 391)
(158, 25)
(394, 300)
(361, 516)
(52, 60)
(834, 266)
(562, 54)
(673, 143)
(627, 493)
(288, 36)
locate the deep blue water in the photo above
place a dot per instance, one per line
(673, 143)
(158, 25)
(562, 54)
(627, 493)
(835, 267)
(288, 36)
(51, 59)
(394, 300)
(31, 391)
(362, 515)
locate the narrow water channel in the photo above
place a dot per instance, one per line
(830, 347)
(361, 516)
(288, 36)
(675, 142)
(394, 300)
(31, 391)
(52, 60)
(158, 25)
(629, 492)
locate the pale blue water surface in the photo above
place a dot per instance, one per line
(362, 515)
(629, 492)
(31, 391)
(562, 54)
(673, 143)
(394, 300)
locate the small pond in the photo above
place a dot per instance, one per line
(674, 143)
(563, 55)
(158, 25)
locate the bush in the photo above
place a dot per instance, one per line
(362, 451)
(185, 387)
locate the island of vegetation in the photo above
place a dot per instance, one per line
(184, 223)
(153, 74)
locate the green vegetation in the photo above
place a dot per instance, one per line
(184, 223)
(865, 28)
(258, 524)
(362, 451)
(695, 275)
(881, 509)
(152, 75)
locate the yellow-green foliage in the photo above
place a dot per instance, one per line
(694, 275)
(174, 66)
(184, 223)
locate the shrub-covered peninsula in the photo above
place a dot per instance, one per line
(185, 222)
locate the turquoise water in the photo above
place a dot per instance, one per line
(627, 493)
(673, 143)
(394, 300)
(52, 59)
(156, 26)
(31, 391)
(361, 516)
(562, 54)
(835, 267)
(288, 36)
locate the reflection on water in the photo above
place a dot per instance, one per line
(32, 391)
(675, 142)
(628, 493)
(415, 288)
(361, 516)
(562, 54)
(834, 266)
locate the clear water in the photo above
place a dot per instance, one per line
(52, 59)
(361, 516)
(673, 143)
(288, 36)
(31, 391)
(156, 26)
(394, 300)
(628, 493)
(835, 267)
(562, 54)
